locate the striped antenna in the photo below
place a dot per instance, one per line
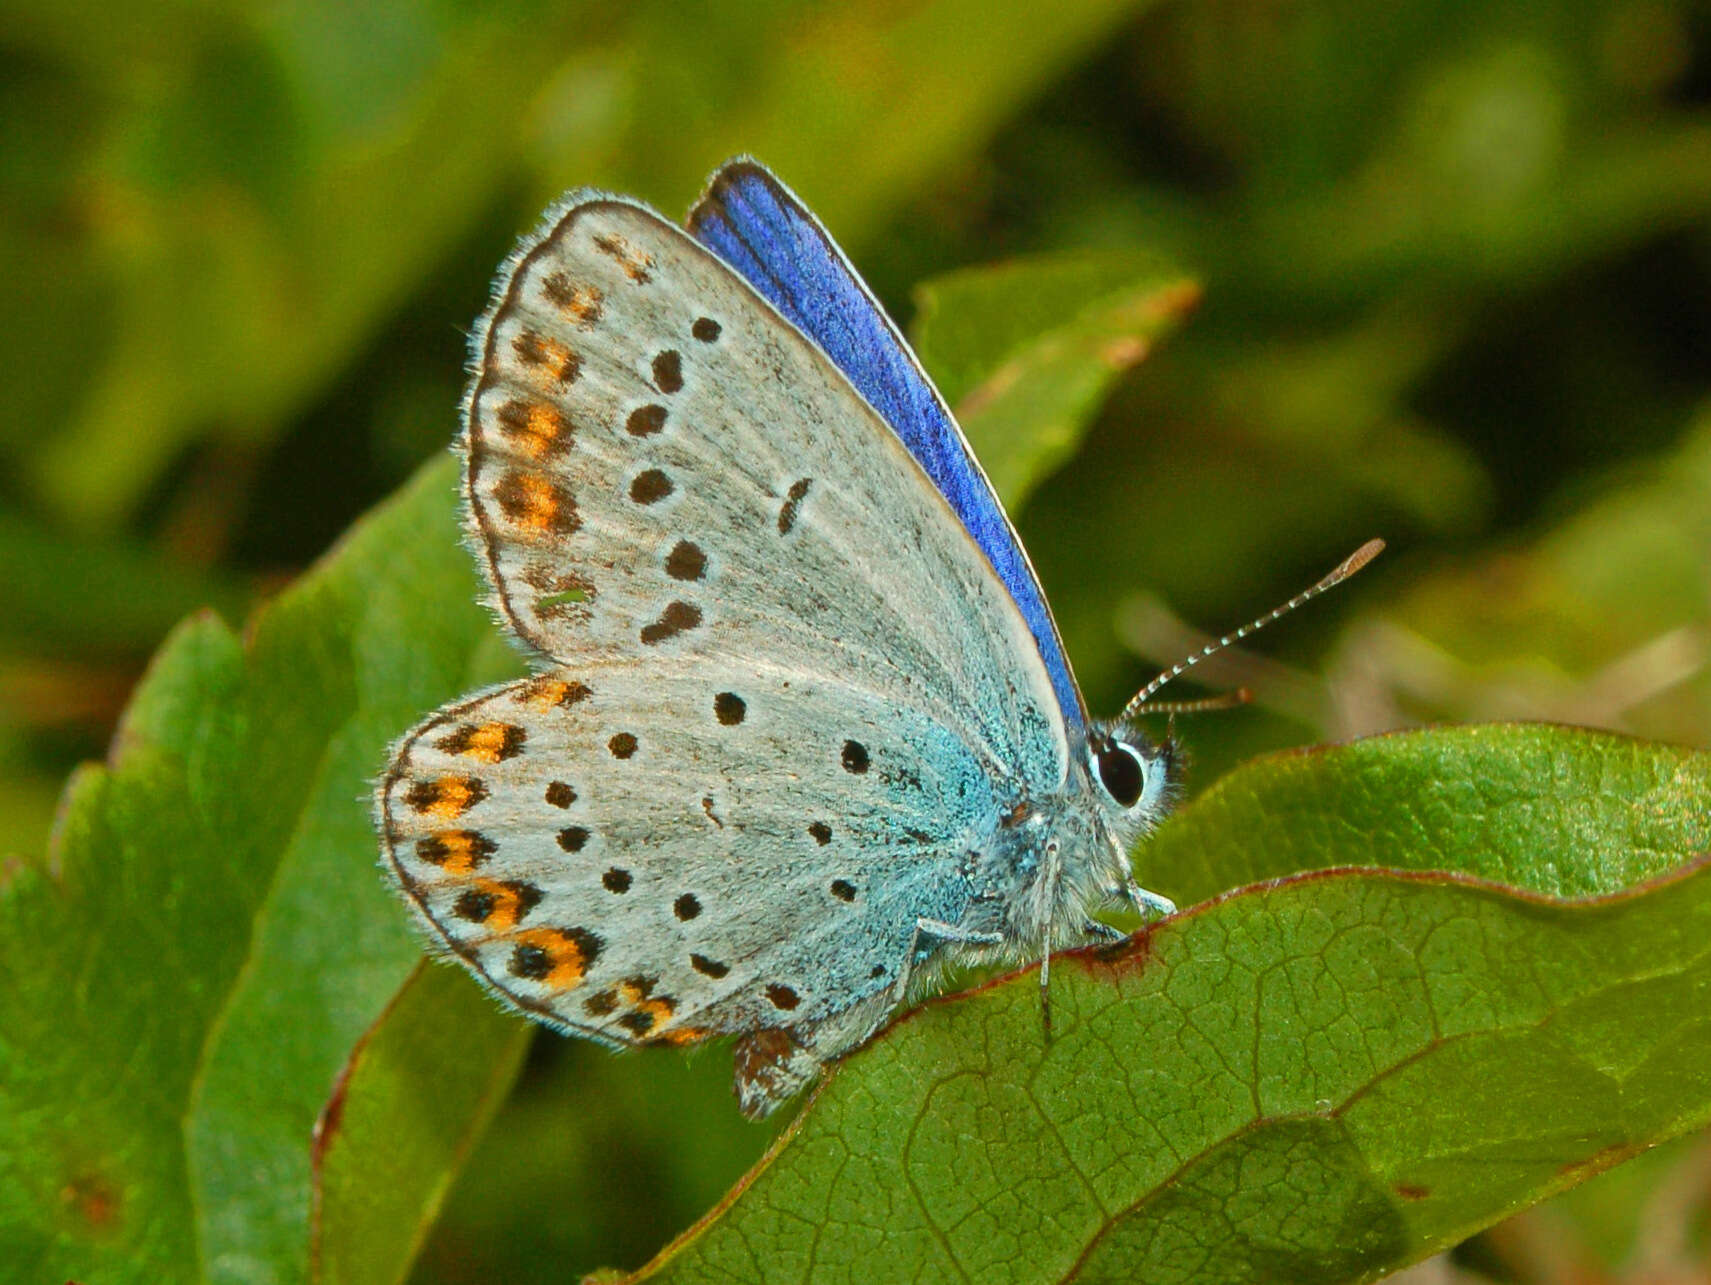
(1346, 568)
(1205, 705)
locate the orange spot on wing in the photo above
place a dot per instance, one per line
(637, 264)
(534, 428)
(647, 1011)
(446, 797)
(487, 743)
(496, 905)
(546, 693)
(683, 1035)
(581, 304)
(550, 359)
(457, 852)
(563, 959)
(535, 504)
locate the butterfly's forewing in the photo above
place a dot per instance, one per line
(787, 685)
(757, 225)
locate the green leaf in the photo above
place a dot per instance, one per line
(66, 595)
(1558, 811)
(1598, 618)
(182, 979)
(417, 1092)
(1026, 352)
(1317, 1079)
(270, 156)
(857, 106)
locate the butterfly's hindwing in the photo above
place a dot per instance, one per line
(663, 849)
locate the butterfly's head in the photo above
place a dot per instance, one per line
(1134, 777)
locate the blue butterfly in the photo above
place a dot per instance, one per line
(803, 729)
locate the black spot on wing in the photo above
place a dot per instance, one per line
(686, 561)
(677, 618)
(645, 421)
(792, 503)
(650, 486)
(668, 371)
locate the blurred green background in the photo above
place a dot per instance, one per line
(1456, 262)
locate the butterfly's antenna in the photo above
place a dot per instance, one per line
(1205, 705)
(1346, 568)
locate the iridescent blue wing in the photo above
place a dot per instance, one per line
(759, 227)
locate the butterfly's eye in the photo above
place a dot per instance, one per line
(1121, 772)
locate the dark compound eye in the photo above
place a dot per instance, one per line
(1120, 772)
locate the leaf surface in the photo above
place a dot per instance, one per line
(1026, 352)
(1320, 1078)
(184, 976)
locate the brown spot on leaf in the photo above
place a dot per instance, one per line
(93, 1200)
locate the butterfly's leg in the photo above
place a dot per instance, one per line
(1143, 900)
(953, 935)
(1105, 932)
(936, 930)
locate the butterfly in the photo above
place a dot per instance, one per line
(802, 728)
